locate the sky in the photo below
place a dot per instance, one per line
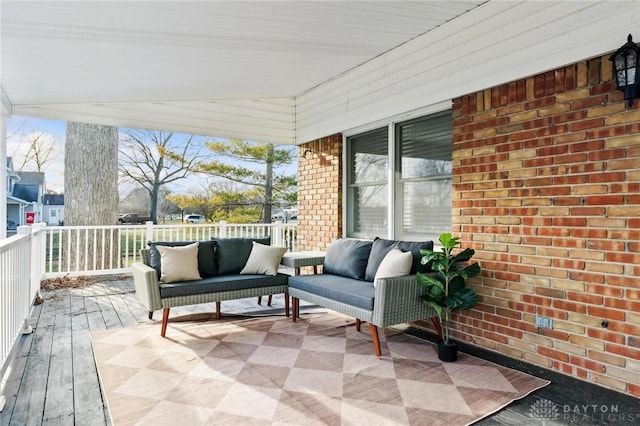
(22, 129)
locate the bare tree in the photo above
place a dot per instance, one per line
(41, 151)
(145, 159)
(91, 187)
(35, 151)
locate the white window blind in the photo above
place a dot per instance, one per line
(422, 180)
(424, 184)
(367, 181)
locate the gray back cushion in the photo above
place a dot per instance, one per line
(347, 258)
(206, 259)
(232, 253)
(381, 247)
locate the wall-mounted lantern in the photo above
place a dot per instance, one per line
(626, 70)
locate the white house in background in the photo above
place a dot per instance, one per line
(24, 195)
(53, 209)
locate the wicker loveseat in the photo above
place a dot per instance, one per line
(221, 275)
(360, 279)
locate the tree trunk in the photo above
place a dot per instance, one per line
(91, 193)
(153, 195)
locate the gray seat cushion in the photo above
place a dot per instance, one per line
(232, 253)
(206, 260)
(346, 290)
(220, 283)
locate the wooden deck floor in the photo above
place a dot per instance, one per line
(53, 378)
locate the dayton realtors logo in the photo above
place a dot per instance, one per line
(545, 410)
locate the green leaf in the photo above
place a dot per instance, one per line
(436, 292)
(465, 299)
(471, 270)
(463, 256)
(439, 265)
(436, 307)
(448, 241)
(456, 283)
(428, 280)
(428, 256)
(426, 252)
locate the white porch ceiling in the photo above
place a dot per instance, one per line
(283, 71)
(207, 67)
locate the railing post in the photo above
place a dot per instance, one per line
(223, 229)
(149, 231)
(27, 230)
(277, 238)
(38, 253)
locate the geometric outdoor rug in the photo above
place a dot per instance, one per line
(270, 370)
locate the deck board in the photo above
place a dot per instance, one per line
(59, 395)
(53, 379)
(88, 405)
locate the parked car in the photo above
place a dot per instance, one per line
(11, 225)
(132, 218)
(193, 218)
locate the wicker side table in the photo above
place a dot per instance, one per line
(297, 260)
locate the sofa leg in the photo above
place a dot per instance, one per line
(294, 308)
(286, 303)
(165, 320)
(150, 315)
(358, 323)
(218, 313)
(373, 329)
(268, 300)
(438, 327)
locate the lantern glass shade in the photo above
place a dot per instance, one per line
(626, 70)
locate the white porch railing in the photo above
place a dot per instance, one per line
(21, 269)
(102, 250)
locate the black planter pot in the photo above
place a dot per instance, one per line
(448, 352)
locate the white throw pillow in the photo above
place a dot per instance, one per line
(263, 259)
(395, 264)
(179, 263)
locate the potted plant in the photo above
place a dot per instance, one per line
(447, 290)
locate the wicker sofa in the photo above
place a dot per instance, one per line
(223, 273)
(373, 281)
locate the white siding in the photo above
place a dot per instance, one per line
(266, 120)
(496, 43)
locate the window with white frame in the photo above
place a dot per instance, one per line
(368, 180)
(423, 185)
(419, 184)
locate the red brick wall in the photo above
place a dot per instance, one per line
(320, 193)
(546, 188)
